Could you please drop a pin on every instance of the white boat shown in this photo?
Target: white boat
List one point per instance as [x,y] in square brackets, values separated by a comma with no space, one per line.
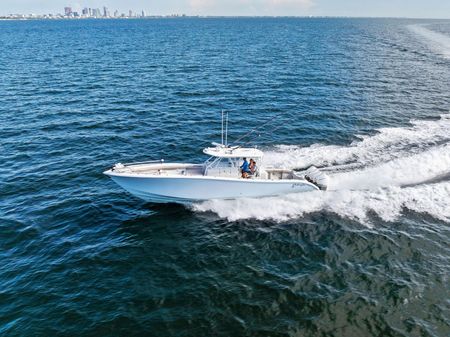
[219,177]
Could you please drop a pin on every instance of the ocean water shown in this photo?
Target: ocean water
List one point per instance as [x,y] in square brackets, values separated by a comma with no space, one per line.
[367,100]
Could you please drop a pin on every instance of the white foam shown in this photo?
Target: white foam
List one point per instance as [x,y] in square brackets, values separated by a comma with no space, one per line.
[408,170]
[387,144]
[393,158]
[386,203]
[440,43]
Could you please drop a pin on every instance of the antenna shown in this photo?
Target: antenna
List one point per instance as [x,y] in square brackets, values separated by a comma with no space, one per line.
[222,127]
[226,131]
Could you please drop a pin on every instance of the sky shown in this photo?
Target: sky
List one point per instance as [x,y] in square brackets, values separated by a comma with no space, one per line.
[367,8]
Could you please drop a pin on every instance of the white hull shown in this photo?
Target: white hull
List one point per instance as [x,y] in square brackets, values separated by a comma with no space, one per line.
[219,177]
[190,189]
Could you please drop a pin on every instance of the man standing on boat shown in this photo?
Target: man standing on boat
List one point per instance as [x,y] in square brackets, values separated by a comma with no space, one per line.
[245,168]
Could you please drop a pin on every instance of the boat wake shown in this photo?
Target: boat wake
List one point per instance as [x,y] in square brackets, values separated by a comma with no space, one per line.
[440,43]
[383,175]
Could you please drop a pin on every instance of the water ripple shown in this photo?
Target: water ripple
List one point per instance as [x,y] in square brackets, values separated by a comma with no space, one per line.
[366,99]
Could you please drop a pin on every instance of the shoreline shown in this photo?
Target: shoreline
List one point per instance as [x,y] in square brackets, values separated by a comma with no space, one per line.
[4,18]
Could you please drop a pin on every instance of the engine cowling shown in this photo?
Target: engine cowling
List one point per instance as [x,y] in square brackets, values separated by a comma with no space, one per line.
[318,178]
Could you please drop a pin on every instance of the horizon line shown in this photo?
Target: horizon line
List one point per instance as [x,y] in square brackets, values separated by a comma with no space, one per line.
[181,16]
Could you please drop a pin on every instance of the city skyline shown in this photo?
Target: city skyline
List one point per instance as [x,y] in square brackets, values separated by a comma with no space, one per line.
[69,12]
[104,12]
[381,8]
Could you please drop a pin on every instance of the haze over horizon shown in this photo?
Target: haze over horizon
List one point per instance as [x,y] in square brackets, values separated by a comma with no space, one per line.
[382,8]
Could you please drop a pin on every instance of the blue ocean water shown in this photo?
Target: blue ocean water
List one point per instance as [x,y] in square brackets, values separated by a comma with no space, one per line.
[367,100]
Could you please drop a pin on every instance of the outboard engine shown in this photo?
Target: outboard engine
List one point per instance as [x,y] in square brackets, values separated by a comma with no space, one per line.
[318,178]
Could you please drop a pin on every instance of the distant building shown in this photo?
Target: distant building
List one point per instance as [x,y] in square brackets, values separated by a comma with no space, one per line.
[130,13]
[106,12]
[116,13]
[67,11]
[143,13]
[96,12]
[85,12]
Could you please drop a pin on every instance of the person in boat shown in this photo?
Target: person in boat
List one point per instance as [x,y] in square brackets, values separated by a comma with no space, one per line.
[250,166]
[245,169]
[253,167]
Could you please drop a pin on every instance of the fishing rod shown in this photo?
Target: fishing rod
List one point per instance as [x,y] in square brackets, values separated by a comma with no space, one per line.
[250,141]
[257,128]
